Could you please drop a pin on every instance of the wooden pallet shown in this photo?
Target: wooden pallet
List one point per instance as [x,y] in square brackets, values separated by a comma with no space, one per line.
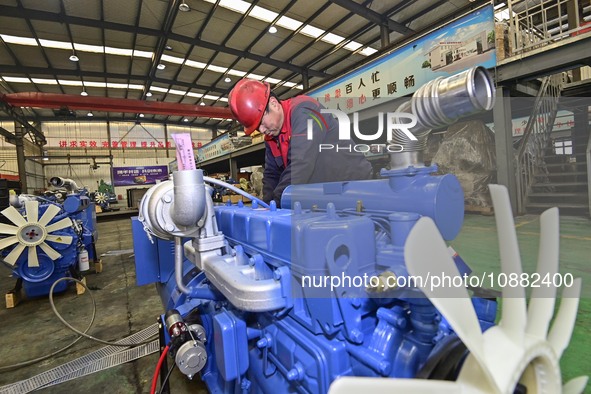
[12,299]
[485,211]
[79,288]
[98,266]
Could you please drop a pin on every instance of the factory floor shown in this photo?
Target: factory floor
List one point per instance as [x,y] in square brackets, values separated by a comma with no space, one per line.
[31,329]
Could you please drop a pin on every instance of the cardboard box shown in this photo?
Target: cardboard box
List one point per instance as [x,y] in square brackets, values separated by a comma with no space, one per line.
[258,138]
[235,198]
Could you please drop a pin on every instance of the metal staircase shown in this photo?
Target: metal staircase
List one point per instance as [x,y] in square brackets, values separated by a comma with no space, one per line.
[551,172]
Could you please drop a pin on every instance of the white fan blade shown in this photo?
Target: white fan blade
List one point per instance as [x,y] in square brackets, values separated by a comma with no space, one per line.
[14,216]
[541,303]
[8,229]
[62,239]
[49,214]
[65,222]
[452,301]
[51,252]
[33,259]
[575,386]
[14,254]
[356,385]
[32,210]
[514,312]
[6,242]
[563,325]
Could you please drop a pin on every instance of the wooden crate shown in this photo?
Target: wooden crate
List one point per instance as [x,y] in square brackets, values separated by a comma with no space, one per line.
[258,138]
[79,288]
[12,299]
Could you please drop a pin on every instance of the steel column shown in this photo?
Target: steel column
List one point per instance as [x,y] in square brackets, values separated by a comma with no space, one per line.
[504,144]
[19,137]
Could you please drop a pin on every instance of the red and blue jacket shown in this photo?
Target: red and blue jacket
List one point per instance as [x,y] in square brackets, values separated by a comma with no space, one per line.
[294,157]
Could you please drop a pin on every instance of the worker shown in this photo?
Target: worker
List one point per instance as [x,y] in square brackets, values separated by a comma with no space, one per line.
[293,155]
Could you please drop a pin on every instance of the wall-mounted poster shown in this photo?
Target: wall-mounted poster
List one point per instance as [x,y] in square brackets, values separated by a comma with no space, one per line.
[138,176]
[462,44]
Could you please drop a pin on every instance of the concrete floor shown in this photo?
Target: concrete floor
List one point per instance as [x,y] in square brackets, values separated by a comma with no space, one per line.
[31,330]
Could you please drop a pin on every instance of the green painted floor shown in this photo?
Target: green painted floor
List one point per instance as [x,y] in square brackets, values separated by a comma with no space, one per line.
[478,246]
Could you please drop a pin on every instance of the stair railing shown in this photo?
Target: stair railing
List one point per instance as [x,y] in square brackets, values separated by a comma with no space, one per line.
[541,23]
[530,155]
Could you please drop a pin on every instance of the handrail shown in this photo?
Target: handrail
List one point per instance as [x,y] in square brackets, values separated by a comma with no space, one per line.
[531,122]
[529,158]
[528,27]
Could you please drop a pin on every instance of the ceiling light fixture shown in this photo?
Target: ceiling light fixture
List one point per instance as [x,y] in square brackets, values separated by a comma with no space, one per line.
[227,80]
[74,58]
[83,93]
[272,29]
[185,120]
[141,115]
[90,114]
[202,102]
[161,66]
[184,7]
[149,94]
[168,48]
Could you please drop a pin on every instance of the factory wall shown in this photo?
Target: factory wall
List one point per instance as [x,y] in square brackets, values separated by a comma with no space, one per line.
[81,151]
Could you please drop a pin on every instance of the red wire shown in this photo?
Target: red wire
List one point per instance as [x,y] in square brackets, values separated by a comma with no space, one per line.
[158,367]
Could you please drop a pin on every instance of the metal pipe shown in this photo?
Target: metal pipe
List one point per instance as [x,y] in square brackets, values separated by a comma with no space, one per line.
[235,190]
[189,197]
[194,292]
[439,103]
[69,184]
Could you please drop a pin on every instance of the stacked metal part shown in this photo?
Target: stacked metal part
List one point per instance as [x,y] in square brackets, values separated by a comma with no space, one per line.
[260,288]
[46,239]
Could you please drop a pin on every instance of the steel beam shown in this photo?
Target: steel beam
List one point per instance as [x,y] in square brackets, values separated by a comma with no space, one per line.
[23,13]
[562,55]
[37,135]
[88,103]
[373,16]
[5,69]
[8,135]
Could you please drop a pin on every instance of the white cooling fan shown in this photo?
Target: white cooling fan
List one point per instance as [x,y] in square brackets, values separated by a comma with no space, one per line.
[32,232]
[520,350]
[100,197]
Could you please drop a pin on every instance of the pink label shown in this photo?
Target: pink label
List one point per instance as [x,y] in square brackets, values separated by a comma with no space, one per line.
[184,151]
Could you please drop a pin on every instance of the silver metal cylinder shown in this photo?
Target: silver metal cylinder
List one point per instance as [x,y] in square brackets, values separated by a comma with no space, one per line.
[68,183]
[439,103]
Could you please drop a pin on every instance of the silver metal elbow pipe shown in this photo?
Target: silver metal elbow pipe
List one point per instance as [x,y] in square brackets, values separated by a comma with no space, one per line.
[189,197]
[68,183]
[439,103]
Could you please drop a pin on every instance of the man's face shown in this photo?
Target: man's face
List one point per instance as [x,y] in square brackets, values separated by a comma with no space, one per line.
[272,120]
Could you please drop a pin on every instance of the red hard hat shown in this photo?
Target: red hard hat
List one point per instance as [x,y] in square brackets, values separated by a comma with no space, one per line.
[248,100]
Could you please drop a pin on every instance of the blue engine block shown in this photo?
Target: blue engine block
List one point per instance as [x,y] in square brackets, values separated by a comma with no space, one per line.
[274,319]
[49,239]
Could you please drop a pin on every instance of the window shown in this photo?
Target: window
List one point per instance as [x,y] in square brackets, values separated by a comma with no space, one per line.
[563,147]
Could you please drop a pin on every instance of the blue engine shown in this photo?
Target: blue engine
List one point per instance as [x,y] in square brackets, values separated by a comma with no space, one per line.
[48,239]
[284,300]
[267,300]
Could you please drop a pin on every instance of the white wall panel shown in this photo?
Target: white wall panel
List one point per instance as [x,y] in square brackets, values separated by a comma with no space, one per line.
[131,145]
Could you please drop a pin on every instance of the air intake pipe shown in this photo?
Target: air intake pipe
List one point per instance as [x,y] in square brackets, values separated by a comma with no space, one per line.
[69,184]
[439,103]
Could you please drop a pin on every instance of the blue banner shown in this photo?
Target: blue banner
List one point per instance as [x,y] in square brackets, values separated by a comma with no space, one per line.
[136,176]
